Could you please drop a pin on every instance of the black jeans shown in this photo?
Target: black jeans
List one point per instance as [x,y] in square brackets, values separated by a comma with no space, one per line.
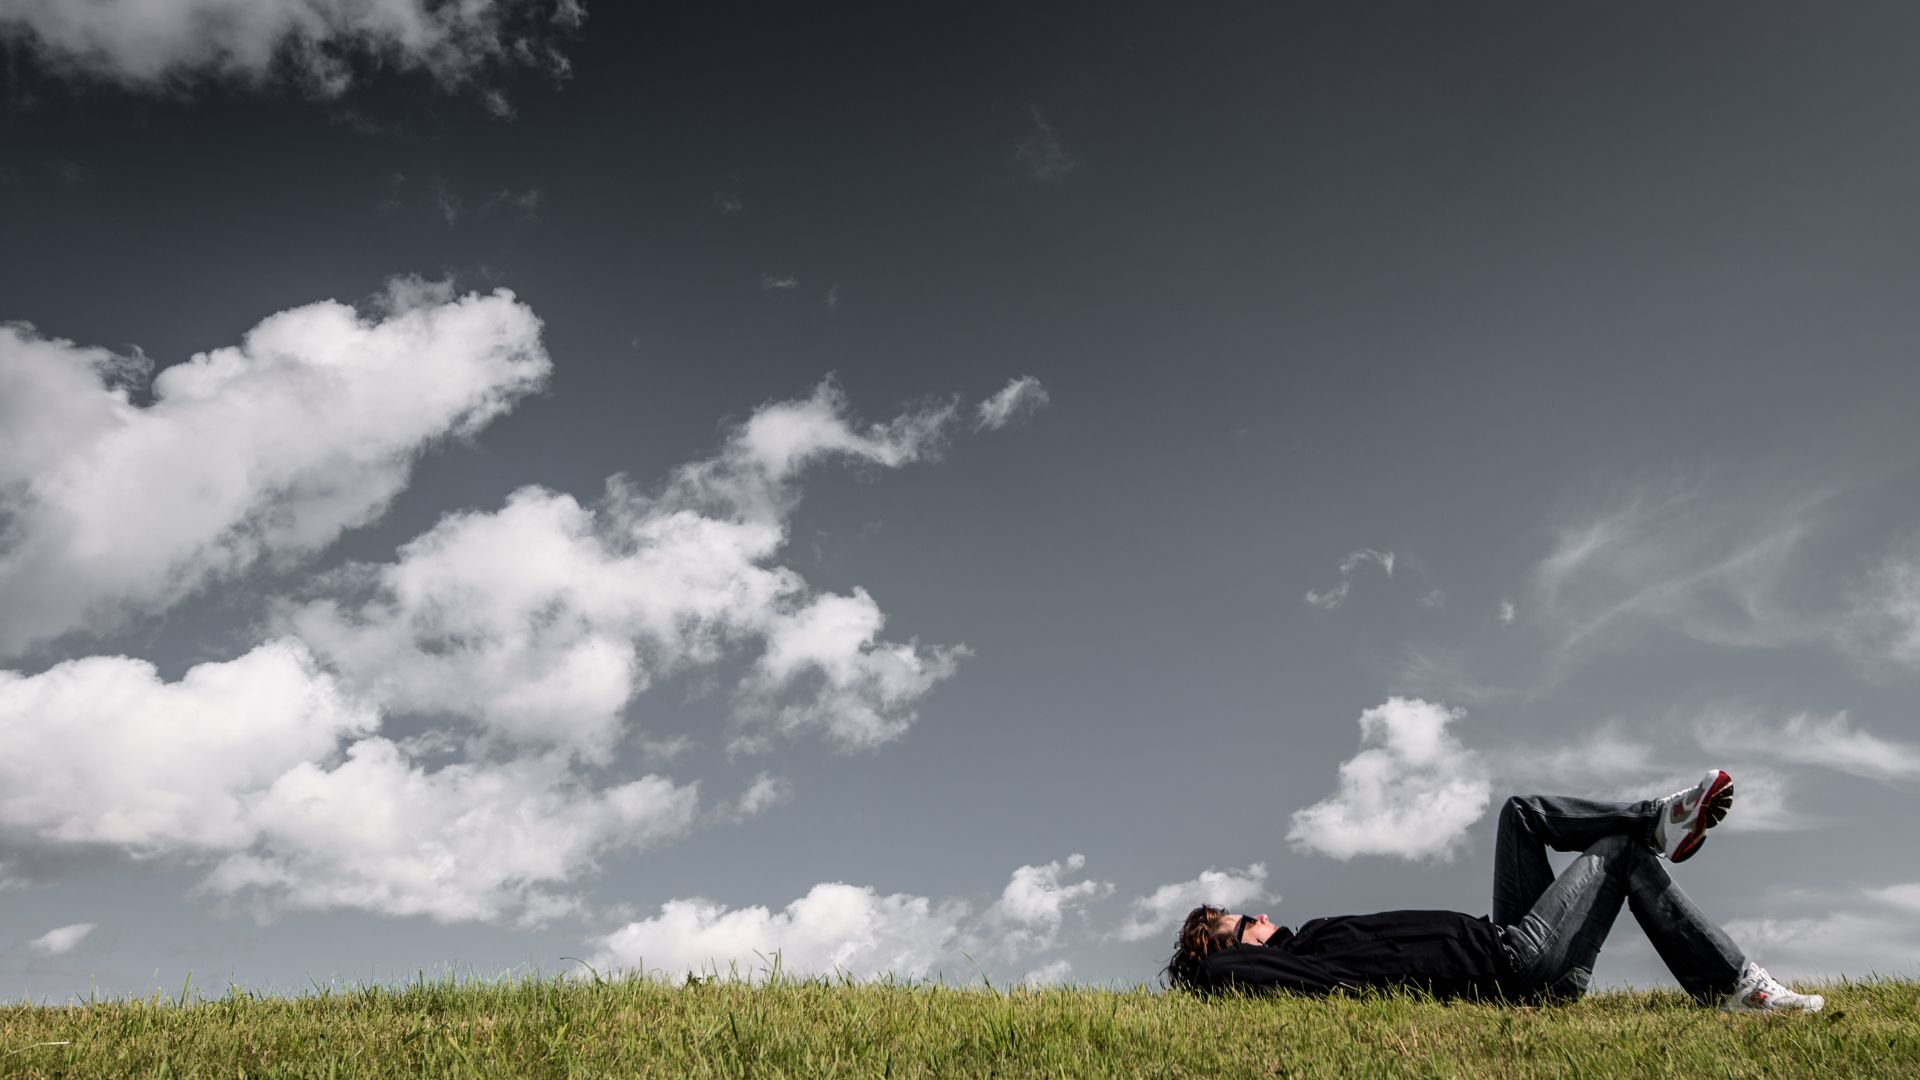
[1554,927]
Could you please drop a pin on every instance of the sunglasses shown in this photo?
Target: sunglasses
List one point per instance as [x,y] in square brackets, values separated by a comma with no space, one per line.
[1240,928]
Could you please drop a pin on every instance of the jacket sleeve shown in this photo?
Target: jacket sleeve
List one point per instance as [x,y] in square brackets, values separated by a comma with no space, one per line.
[1268,971]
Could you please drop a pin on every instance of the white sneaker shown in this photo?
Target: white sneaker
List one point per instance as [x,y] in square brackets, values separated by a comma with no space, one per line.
[1685,816]
[1758,991]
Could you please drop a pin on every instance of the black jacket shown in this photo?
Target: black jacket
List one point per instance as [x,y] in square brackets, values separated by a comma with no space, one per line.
[1444,952]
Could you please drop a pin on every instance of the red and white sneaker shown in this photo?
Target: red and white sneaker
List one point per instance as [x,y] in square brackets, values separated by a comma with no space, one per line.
[1685,816]
[1758,991]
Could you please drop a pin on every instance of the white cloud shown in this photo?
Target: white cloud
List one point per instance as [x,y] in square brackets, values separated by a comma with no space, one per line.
[1332,598]
[268,449]
[1354,560]
[1020,397]
[835,928]
[1763,801]
[1841,939]
[541,621]
[1597,761]
[1884,620]
[1433,598]
[1051,974]
[1905,896]
[838,928]
[1159,912]
[1028,915]
[780,281]
[63,939]
[1040,154]
[1715,568]
[1411,793]
[1506,613]
[470,841]
[100,750]
[160,42]
[264,768]
[1805,739]
[765,792]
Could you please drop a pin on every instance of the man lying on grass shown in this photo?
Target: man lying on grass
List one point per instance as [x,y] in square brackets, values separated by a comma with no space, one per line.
[1544,934]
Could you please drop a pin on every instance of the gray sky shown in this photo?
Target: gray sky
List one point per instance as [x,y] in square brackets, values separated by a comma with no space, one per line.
[1073,463]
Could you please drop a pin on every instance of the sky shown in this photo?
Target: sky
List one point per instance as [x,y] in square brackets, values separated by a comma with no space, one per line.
[938,489]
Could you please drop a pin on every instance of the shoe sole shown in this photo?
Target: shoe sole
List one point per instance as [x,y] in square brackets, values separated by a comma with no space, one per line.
[1713,810]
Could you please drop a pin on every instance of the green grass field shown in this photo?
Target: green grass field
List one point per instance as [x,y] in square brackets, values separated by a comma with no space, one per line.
[550,1027]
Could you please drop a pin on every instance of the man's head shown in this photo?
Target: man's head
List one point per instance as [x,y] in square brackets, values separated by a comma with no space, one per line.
[1208,930]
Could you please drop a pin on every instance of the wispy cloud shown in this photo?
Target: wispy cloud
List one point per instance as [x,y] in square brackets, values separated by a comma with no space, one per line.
[496,102]
[390,202]
[1021,397]
[772,281]
[765,792]
[1718,568]
[527,202]
[1827,934]
[1505,615]
[1883,617]
[1329,599]
[1040,154]
[62,939]
[1411,792]
[1830,741]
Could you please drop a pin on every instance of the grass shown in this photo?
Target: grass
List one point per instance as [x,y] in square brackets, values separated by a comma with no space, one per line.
[546,1027]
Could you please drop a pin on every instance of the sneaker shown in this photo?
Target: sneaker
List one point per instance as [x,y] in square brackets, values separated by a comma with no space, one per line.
[1685,816]
[1758,991]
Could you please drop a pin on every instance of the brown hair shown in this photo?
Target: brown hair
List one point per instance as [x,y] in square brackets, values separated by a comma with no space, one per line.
[1200,937]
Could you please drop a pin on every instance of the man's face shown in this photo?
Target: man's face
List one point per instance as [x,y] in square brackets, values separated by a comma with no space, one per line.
[1256,932]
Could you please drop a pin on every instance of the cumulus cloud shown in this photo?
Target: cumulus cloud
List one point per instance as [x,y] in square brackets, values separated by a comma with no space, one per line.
[1159,912]
[1028,915]
[161,42]
[835,928]
[855,930]
[62,939]
[1020,397]
[265,770]
[267,449]
[539,622]
[1411,792]
[164,766]
[470,841]
[1050,974]
[1333,597]
[1830,741]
